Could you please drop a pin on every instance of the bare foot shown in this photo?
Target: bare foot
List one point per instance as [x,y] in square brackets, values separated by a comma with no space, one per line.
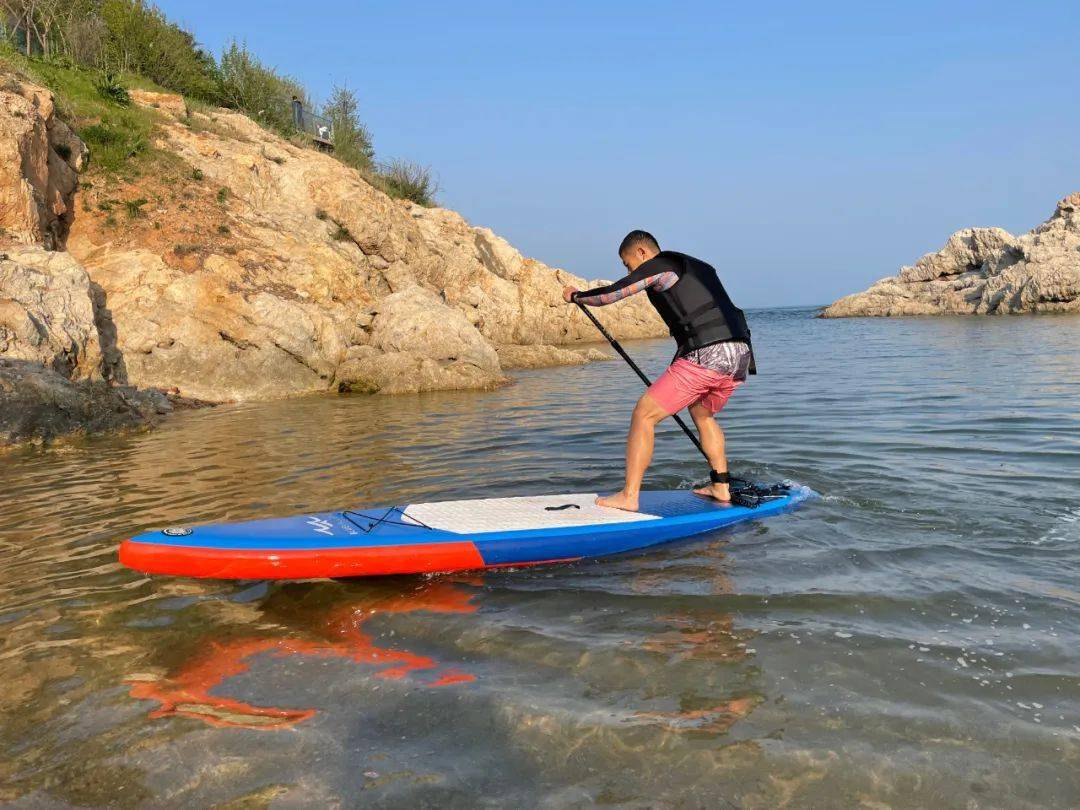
[620,500]
[717,492]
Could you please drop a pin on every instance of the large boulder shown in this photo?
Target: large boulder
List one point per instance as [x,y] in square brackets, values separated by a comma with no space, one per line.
[418,343]
[204,335]
[60,374]
[984,271]
[47,312]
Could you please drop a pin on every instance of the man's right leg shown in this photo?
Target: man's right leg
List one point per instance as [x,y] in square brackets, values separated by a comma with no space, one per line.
[648,413]
[712,441]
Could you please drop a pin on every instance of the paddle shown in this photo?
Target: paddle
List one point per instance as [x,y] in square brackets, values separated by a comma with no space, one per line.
[622,353]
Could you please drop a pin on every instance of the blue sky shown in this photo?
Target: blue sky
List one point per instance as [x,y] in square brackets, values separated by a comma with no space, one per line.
[804,149]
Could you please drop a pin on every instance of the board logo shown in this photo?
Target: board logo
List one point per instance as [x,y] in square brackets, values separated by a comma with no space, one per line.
[320,526]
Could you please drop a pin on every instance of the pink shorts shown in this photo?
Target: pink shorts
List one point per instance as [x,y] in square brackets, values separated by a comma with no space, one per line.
[685,383]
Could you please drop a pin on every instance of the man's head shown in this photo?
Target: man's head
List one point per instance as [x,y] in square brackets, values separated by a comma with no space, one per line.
[637,247]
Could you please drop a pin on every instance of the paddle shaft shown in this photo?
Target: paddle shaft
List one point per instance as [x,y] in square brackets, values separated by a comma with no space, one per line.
[630,361]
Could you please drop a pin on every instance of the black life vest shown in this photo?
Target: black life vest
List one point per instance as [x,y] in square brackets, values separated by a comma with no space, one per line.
[696,309]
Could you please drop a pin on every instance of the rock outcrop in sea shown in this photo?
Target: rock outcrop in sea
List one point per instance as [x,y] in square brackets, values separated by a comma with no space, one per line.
[245,266]
[58,371]
[984,271]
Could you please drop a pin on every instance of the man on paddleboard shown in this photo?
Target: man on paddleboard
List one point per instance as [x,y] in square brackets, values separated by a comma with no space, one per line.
[713,358]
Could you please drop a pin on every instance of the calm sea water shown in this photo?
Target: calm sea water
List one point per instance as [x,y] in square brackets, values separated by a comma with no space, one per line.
[912,638]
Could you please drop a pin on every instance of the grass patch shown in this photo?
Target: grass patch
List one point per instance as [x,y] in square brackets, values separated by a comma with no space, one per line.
[115,132]
[134,207]
[223,195]
[341,233]
[196,174]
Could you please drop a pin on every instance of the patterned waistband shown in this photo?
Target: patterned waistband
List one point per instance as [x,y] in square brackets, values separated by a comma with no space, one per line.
[731,358]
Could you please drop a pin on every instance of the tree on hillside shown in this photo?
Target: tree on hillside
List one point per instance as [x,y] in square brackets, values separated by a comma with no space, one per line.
[244,83]
[139,39]
[38,23]
[352,140]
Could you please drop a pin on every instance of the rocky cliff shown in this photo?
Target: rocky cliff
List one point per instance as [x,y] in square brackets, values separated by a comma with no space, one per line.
[256,267]
[238,265]
[983,271]
[39,161]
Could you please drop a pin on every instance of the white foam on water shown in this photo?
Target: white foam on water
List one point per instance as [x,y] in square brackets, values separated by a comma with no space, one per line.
[1066,527]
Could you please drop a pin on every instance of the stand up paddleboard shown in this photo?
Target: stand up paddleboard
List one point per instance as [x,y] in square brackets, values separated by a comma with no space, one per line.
[445,536]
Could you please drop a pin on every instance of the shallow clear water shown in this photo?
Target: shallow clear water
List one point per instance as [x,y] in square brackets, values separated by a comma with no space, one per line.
[912,637]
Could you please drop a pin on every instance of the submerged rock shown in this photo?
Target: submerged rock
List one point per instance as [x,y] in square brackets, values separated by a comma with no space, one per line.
[59,373]
[39,405]
[984,271]
[542,356]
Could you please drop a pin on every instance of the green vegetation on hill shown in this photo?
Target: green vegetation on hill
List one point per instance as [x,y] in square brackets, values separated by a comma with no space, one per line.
[117,132]
[89,52]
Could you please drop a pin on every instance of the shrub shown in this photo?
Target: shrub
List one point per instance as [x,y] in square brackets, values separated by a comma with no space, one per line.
[341,233]
[85,35]
[410,181]
[196,174]
[110,88]
[222,195]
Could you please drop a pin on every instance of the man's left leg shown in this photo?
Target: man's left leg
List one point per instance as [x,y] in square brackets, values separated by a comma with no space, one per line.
[648,413]
[712,442]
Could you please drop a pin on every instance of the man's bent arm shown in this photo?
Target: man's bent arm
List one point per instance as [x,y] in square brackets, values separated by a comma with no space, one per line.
[632,284]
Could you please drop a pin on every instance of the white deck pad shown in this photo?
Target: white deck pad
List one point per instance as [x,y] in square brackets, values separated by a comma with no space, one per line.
[518,514]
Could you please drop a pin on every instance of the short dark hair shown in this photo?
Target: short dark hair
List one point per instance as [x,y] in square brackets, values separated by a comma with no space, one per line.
[638,237]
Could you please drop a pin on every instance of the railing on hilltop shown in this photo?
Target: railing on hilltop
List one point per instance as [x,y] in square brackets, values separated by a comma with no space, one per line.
[319,127]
